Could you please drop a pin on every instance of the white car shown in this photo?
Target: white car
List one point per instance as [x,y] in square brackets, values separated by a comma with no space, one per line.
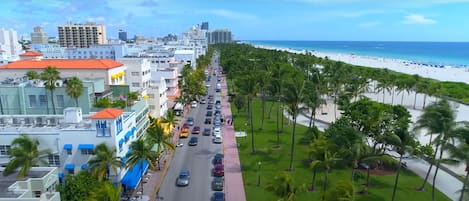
[217,140]
[217,131]
[194,104]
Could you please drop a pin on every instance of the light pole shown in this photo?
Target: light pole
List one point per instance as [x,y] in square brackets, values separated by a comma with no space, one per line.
[259,173]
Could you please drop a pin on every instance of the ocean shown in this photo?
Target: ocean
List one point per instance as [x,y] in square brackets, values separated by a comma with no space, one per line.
[454,54]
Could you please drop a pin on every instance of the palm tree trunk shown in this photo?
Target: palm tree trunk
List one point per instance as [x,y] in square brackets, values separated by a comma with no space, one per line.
[415,99]
[270,110]
[424,100]
[52,101]
[282,121]
[392,98]
[324,186]
[311,119]
[402,99]
[384,94]
[253,151]
[464,185]
[368,176]
[292,149]
[313,181]
[335,107]
[141,179]
[436,173]
[263,110]
[422,188]
[278,126]
[397,179]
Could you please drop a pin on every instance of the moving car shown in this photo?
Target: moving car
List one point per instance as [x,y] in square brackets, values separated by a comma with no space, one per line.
[194,104]
[209,114]
[183,178]
[193,141]
[209,106]
[217,131]
[218,159]
[208,121]
[217,184]
[217,140]
[218,171]
[190,121]
[207,131]
[218,196]
[203,101]
[196,130]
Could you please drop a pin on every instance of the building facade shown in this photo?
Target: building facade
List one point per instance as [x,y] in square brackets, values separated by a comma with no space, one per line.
[170,75]
[81,35]
[157,98]
[220,36]
[10,48]
[204,26]
[38,36]
[138,74]
[122,35]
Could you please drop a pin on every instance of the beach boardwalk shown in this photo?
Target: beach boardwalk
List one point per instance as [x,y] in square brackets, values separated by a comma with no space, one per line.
[234,187]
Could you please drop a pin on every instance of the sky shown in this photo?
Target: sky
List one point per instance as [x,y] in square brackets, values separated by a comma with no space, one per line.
[330,20]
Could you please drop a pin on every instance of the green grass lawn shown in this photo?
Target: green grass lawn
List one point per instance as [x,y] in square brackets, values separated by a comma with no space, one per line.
[274,161]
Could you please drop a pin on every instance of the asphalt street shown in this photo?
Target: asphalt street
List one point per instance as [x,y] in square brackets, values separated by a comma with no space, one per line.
[197,159]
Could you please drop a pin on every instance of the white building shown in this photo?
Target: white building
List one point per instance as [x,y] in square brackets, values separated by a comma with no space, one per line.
[185,56]
[72,137]
[170,75]
[157,98]
[54,51]
[9,45]
[40,184]
[50,51]
[38,36]
[138,74]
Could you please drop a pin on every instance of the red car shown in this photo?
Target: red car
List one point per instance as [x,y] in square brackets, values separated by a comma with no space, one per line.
[218,170]
[196,130]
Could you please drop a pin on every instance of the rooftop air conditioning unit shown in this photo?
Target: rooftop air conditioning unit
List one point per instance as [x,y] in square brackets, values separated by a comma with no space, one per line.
[59,83]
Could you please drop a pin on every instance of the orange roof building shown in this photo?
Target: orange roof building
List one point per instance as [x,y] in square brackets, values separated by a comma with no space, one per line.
[108,113]
[111,71]
[31,54]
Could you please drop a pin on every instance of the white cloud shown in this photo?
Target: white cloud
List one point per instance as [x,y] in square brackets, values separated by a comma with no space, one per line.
[358,13]
[232,14]
[417,19]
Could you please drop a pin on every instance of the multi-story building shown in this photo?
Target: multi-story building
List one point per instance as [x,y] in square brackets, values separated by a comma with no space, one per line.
[204,26]
[10,48]
[54,51]
[122,35]
[38,36]
[138,74]
[81,35]
[50,51]
[111,71]
[157,98]
[40,184]
[220,36]
[170,75]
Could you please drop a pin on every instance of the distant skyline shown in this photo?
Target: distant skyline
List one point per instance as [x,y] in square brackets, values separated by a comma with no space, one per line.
[346,20]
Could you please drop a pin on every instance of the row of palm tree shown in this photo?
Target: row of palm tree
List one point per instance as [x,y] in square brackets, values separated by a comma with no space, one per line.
[320,78]
[50,75]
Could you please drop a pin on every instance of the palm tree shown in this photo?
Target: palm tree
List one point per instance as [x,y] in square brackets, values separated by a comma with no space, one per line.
[32,75]
[415,86]
[157,137]
[74,88]
[248,86]
[106,192]
[25,154]
[50,75]
[171,119]
[438,118]
[293,97]
[402,143]
[460,153]
[312,101]
[284,187]
[104,161]
[327,160]
[141,151]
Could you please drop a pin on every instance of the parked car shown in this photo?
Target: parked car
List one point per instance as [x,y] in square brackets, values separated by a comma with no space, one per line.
[203,101]
[218,171]
[207,131]
[217,131]
[190,121]
[218,196]
[194,104]
[218,159]
[208,121]
[217,140]
[193,141]
[217,184]
[183,178]
[209,113]
[209,106]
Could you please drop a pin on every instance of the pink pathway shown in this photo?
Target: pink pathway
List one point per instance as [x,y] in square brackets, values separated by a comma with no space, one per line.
[234,187]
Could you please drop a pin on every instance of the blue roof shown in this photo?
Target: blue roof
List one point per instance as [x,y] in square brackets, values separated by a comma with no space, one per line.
[134,175]
[85,146]
[84,166]
[68,146]
[70,166]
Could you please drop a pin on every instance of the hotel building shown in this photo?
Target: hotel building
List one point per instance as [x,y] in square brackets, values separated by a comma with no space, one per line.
[81,35]
[38,36]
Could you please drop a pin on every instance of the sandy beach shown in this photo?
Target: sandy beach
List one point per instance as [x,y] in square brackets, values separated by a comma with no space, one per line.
[445,73]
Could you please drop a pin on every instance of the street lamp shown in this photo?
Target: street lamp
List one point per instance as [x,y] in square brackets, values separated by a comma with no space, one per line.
[258,173]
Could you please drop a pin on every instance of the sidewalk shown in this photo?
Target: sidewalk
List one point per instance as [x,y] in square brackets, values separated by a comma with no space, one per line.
[445,182]
[234,187]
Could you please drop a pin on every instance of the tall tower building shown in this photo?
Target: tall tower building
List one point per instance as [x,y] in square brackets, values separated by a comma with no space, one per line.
[220,36]
[10,48]
[82,35]
[122,35]
[204,26]
[38,36]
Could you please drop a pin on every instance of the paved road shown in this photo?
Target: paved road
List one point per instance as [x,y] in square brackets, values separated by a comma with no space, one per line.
[197,159]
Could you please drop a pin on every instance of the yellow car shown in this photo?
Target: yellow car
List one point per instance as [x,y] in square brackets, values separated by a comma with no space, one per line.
[183,134]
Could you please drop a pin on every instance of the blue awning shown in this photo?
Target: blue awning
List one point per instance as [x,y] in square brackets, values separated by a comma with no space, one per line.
[84,166]
[70,166]
[61,175]
[133,129]
[85,146]
[128,135]
[121,142]
[134,175]
[68,146]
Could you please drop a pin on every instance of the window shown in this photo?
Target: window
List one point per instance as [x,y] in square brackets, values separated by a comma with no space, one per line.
[4,149]
[152,107]
[32,101]
[37,194]
[151,95]
[135,73]
[42,100]
[69,152]
[135,84]
[54,160]
[60,100]
[87,152]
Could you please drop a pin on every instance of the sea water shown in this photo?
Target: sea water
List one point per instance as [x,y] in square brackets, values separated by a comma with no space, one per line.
[454,54]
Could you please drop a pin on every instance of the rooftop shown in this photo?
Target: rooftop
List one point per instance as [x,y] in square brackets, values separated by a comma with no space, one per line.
[31,54]
[63,64]
[108,113]
[7,181]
